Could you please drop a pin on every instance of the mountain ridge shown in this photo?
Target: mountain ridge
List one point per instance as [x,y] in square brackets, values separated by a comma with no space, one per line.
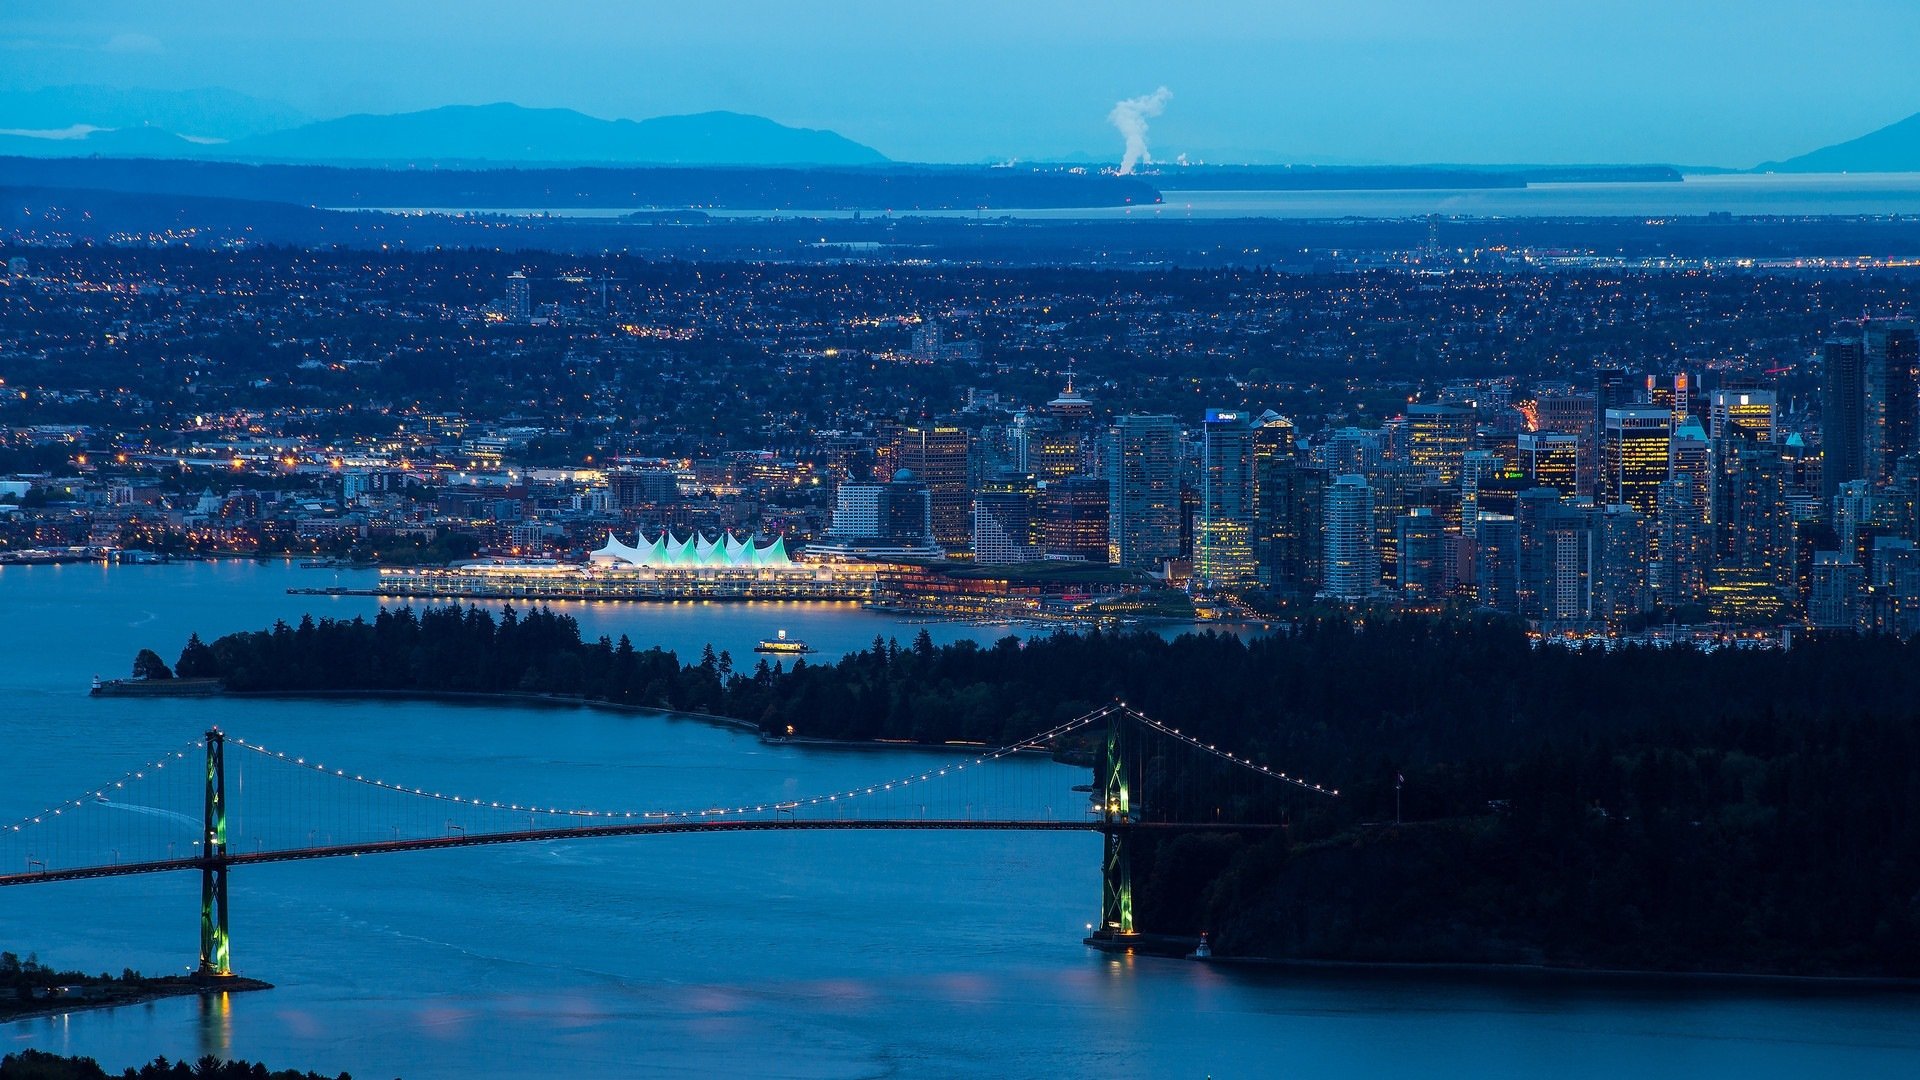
[1893,148]
[500,133]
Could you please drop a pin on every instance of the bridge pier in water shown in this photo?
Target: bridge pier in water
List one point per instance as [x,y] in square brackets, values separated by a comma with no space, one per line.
[215,961]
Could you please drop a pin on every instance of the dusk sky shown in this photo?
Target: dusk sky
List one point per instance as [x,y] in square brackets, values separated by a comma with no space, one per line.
[1713,82]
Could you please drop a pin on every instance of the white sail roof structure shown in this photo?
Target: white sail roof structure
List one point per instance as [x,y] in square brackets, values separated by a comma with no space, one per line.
[696,552]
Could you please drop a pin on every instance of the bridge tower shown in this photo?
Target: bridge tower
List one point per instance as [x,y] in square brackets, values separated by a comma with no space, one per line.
[1119,808]
[214,961]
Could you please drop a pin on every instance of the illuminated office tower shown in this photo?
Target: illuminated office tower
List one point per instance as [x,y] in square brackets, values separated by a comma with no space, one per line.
[1843,404]
[1223,534]
[1076,514]
[1395,489]
[936,454]
[1573,415]
[1438,438]
[1422,554]
[1633,456]
[1670,392]
[1004,520]
[1755,576]
[1143,491]
[1748,414]
[1891,396]
[1351,564]
[1550,459]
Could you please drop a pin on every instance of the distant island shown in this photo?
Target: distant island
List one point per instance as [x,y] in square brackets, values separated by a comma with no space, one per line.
[1738,812]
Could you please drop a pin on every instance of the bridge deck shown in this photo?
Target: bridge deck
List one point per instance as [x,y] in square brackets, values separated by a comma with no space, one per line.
[589,832]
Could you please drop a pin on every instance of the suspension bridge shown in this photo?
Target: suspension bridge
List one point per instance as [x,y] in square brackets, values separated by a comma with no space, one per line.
[222,802]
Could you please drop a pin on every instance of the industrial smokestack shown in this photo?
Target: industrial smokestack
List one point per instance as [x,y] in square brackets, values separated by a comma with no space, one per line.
[1130,118]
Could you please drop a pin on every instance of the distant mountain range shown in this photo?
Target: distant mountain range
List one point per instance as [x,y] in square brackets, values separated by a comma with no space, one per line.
[500,133]
[1894,148]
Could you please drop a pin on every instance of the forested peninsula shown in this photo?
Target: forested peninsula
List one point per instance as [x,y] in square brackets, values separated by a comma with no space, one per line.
[1656,809]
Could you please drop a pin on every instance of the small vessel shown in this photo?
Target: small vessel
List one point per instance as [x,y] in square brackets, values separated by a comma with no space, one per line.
[1203,951]
[781,643]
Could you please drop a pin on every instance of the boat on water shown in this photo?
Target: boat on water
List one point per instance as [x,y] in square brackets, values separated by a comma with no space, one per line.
[781,643]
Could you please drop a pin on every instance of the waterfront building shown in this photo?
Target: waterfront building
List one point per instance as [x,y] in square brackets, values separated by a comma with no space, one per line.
[1635,449]
[1143,491]
[1005,525]
[1351,563]
[1076,519]
[937,455]
[891,520]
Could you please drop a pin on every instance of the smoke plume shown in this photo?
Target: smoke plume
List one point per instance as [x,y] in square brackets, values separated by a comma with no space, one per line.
[1130,118]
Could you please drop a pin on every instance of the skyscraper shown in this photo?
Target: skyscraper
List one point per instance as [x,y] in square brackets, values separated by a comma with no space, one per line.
[936,454]
[1223,535]
[1439,436]
[1633,456]
[1672,393]
[1075,514]
[1004,529]
[1143,491]
[1891,395]
[519,297]
[1422,554]
[1352,562]
[1550,459]
[1843,406]
[1747,414]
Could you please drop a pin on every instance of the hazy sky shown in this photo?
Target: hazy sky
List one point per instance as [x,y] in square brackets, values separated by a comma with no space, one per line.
[1727,82]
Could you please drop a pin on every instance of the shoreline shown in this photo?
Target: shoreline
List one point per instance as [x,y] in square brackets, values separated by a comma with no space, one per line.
[1467,970]
[514,697]
[187,988]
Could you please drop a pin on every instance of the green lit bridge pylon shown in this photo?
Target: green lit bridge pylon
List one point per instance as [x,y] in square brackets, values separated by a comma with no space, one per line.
[175,814]
[214,958]
[1117,815]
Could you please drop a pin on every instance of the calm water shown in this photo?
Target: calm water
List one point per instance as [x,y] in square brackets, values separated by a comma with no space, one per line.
[761,954]
[1790,194]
